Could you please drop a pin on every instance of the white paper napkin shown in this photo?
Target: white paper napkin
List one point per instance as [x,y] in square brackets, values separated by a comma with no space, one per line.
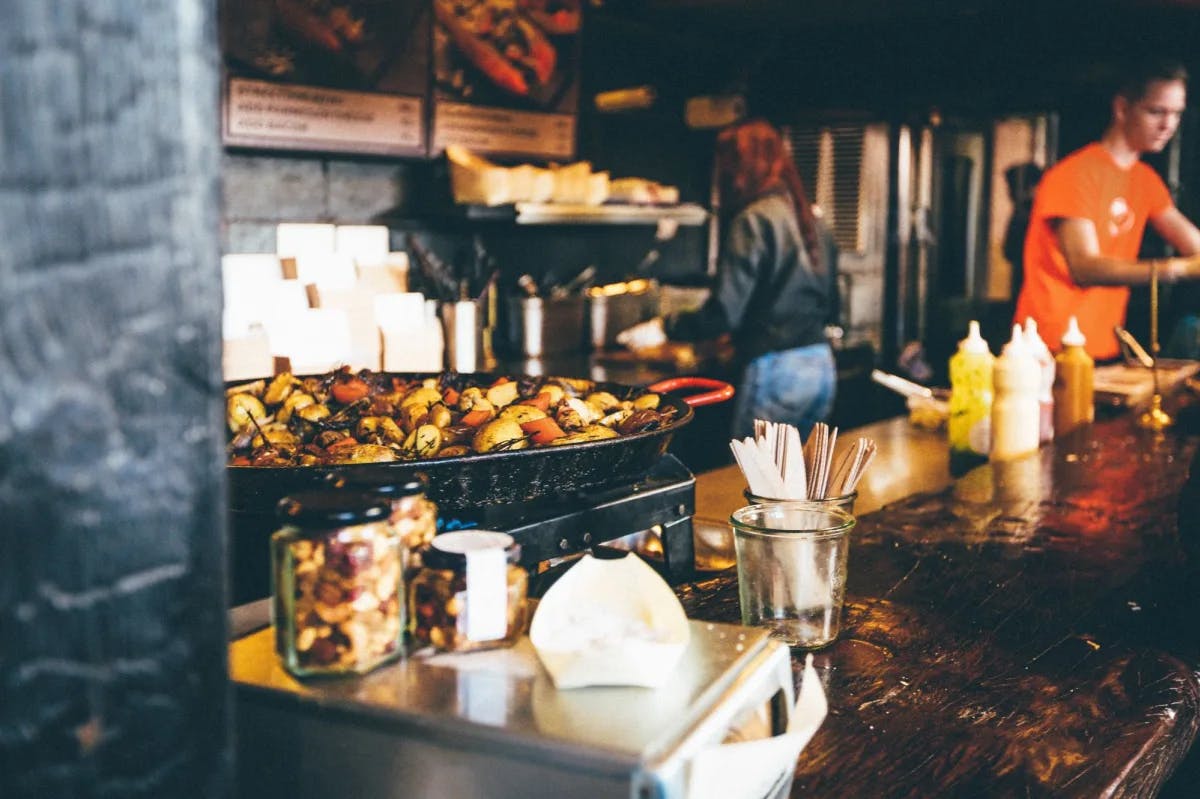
[609,622]
[748,769]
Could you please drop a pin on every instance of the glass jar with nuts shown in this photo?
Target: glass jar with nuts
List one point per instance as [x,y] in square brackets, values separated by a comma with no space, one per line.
[413,516]
[338,584]
[470,592]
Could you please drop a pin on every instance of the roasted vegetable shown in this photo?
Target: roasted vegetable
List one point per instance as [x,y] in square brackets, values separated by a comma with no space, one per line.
[366,417]
[593,432]
[241,408]
[424,442]
[522,413]
[647,401]
[499,434]
[542,431]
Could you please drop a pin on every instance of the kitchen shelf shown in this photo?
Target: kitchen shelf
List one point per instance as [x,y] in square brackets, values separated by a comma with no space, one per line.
[688,214]
[465,216]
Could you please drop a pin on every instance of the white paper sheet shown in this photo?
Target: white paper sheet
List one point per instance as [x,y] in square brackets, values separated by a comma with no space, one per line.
[748,769]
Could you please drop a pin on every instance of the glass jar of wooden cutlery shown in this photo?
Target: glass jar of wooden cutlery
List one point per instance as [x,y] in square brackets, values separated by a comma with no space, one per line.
[791,566]
[778,468]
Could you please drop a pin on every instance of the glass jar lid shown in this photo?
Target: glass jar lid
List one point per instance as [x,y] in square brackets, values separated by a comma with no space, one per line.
[449,550]
[381,482]
[326,509]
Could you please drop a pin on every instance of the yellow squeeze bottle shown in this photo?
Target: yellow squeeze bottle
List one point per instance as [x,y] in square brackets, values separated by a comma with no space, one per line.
[971,395]
[1073,389]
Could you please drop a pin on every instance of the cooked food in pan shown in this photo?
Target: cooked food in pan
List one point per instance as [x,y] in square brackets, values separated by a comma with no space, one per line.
[371,417]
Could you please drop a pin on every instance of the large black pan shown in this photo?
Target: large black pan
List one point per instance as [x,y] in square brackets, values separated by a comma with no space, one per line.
[465,482]
[503,477]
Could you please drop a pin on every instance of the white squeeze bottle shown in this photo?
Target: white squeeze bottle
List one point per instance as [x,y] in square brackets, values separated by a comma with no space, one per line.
[1015,407]
[1045,395]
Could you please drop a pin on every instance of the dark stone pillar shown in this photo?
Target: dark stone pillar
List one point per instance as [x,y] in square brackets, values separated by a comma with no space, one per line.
[112,578]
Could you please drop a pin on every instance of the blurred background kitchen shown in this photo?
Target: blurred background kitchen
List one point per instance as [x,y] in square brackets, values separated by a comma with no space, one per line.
[907,120]
[918,128]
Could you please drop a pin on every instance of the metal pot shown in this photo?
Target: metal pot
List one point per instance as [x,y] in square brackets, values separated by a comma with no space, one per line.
[614,308]
[539,327]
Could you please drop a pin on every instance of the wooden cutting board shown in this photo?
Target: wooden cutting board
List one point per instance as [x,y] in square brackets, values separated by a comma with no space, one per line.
[1122,384]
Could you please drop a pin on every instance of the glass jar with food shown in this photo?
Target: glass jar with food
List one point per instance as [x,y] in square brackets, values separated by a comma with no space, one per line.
[413,516]
[337,582]
[470,592]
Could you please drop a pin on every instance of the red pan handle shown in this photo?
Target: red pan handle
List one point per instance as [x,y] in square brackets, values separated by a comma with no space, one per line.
[721,390]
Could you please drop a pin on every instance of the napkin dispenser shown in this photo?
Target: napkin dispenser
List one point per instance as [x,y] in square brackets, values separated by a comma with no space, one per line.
[492,724]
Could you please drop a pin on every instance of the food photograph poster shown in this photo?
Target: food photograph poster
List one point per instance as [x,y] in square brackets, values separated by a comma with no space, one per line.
[326,75]
[506,76]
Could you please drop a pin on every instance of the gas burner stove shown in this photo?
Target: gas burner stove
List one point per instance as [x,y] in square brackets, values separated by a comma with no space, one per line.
[548,529]
[556,527]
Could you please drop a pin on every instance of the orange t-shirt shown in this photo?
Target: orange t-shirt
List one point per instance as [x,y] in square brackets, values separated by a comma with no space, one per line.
[1087,184]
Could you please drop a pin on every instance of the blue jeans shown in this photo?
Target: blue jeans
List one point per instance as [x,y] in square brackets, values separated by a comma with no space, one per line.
[795,386]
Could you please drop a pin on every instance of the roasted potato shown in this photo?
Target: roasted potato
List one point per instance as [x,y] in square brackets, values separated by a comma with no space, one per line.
[379,429]
[295,401]
[424,442]
[369,453]
[502,394]
[556,393]
[276,435]
[522,413]
[593,432]
[424,396]
[439,415]
[279,389]
[647,402]
[602,400]
[499,434]
[240,408]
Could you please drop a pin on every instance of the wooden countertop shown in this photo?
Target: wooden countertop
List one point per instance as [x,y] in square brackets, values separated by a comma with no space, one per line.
[1024,630]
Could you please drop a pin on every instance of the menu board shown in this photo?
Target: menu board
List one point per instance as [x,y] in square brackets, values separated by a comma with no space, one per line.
[506,76]
[326,75]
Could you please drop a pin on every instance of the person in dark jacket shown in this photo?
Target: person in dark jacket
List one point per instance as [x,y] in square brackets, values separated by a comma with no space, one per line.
[1022,180]
[775,288]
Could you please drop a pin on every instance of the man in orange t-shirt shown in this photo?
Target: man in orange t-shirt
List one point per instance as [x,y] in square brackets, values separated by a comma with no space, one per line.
[1091,209]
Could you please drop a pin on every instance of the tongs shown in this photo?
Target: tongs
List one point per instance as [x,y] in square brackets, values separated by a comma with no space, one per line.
[1131,350]
[905,388]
